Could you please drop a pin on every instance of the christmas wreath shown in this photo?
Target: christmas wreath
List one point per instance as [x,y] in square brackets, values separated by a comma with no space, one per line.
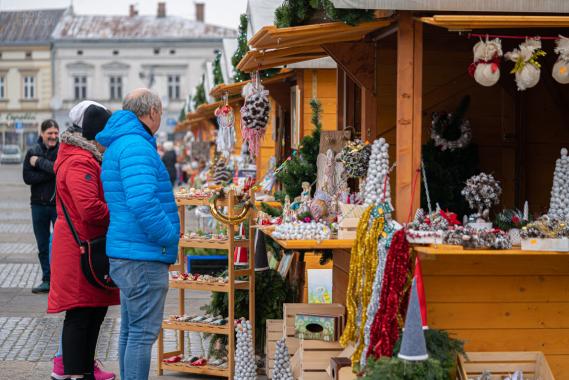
[440,123]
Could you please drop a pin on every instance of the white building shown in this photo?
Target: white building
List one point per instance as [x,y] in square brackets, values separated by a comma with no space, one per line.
[102,58]
[25,73]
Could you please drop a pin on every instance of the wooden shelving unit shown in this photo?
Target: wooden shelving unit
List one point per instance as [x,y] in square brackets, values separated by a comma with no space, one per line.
[229,287]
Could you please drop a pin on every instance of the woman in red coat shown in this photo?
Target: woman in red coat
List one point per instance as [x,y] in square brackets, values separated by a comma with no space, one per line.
[78,169]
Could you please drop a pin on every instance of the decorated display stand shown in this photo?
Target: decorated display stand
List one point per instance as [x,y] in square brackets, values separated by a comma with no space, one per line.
[236,279]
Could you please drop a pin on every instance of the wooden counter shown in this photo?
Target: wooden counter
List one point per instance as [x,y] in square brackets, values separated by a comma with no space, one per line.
[501,300]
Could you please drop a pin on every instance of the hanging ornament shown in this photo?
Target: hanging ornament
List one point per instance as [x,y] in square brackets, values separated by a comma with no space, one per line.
[561,68]
[254,113]
[486,66]
[226,121]
[527,68]
[377,187]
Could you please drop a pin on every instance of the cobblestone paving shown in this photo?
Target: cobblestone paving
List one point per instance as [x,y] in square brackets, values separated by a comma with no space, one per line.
[16,228]
[15,215]
[15,205]
[22,248]
[19,275]
[36,339]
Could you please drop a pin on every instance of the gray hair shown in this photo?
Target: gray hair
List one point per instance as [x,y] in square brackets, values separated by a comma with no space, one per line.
[141,102]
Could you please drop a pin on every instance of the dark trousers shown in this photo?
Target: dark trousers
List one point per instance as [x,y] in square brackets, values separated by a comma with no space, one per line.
[42,218]
[80,333]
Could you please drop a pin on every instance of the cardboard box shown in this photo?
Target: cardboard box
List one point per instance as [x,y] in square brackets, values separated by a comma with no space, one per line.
[535,244]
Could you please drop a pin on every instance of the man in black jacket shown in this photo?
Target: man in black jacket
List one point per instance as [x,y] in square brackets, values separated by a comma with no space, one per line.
[38,173]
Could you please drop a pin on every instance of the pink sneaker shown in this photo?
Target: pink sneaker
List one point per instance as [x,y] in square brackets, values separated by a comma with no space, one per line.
[57,372]
[100,373]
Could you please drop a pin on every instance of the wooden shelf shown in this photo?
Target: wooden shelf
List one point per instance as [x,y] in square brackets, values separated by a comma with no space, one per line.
[199,327]
[212,244]
[208,286]
[183,367]
[449,250]
[196,202]
[316,244]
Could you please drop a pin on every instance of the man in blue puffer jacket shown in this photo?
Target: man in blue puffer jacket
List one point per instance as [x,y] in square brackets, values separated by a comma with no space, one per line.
[144,229]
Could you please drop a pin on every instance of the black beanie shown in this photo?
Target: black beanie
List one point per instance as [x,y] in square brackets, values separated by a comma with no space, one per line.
[94,120]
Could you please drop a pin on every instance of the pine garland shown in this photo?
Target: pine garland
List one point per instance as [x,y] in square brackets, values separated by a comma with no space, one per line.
[302,167]
[242,49]
[270,210]
[199,97]
[217,73]
[394,368]
[182,115]
[299,12]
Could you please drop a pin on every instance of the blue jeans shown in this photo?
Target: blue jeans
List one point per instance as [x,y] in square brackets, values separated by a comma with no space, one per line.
[143,287]
[43,217]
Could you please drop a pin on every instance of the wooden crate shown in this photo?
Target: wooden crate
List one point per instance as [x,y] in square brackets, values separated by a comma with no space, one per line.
[315,358]
[275,332]
[500,364]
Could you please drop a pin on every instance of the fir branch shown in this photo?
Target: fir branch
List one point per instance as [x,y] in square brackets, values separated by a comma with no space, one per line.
[199,96]
[270,210]
[217,73]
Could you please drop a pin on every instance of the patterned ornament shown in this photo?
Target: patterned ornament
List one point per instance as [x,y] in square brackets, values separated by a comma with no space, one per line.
[282,369]
[254,114]
[559,202]
[377,188]
[245,367]
[355,158]
[478,238]
[225,141]
[527,68]
[486,66]
[561,68]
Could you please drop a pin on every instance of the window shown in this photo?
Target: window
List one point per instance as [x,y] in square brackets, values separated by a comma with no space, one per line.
[172,51]
[28,54]
[80,87]
[79,52]
[115,83]
[115,52]
[2,87]
[156,51]
[29,87]
[174,86]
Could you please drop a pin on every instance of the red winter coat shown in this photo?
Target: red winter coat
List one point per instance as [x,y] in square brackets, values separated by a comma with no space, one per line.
[79,186]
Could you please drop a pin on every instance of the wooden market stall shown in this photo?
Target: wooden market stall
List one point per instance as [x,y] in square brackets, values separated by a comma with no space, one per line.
[392,75]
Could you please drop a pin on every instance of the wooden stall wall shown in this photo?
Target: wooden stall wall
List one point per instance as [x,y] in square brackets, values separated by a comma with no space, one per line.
[502,303]
[267,149]
[238,138]
[320,84]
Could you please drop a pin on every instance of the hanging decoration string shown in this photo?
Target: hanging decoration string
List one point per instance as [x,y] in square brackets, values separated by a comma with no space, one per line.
[508,37]
[413,189]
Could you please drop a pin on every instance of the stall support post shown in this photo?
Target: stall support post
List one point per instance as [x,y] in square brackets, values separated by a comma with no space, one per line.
[409,109]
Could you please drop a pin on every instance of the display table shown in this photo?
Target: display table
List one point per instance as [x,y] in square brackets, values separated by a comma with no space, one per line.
[501,300]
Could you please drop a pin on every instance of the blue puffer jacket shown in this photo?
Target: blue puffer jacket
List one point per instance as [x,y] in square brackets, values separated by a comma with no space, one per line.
[144,217]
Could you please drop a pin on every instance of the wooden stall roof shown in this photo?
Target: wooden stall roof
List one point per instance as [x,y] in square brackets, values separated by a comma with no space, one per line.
[202,113]
[271,37]
[471,22]
[234,89]
[281,46]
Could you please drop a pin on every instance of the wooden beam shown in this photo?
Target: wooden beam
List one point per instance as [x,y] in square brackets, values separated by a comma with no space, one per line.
[356,59]
[369,115]
[409,106]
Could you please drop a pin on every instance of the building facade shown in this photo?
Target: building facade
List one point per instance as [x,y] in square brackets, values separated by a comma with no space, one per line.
[102,58]
[25,73]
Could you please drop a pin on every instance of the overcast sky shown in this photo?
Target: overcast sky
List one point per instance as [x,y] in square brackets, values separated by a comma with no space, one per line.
[217,12]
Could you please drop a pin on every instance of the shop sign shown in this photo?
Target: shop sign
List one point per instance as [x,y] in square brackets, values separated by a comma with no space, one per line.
[12,117]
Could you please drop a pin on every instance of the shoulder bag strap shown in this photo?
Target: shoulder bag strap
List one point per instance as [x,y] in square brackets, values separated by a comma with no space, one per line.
[68,219]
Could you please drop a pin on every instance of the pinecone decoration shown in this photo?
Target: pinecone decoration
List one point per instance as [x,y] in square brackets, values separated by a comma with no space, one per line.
[559,203]
[481,192]
[221,174]
[254,115]
[282,369]
[245,367]
[355,156]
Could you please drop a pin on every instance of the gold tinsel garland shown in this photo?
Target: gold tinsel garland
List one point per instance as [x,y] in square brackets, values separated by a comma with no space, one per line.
[363,263]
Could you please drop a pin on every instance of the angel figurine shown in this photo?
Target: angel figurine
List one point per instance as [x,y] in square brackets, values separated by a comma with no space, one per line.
[288,213]
[305,198]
